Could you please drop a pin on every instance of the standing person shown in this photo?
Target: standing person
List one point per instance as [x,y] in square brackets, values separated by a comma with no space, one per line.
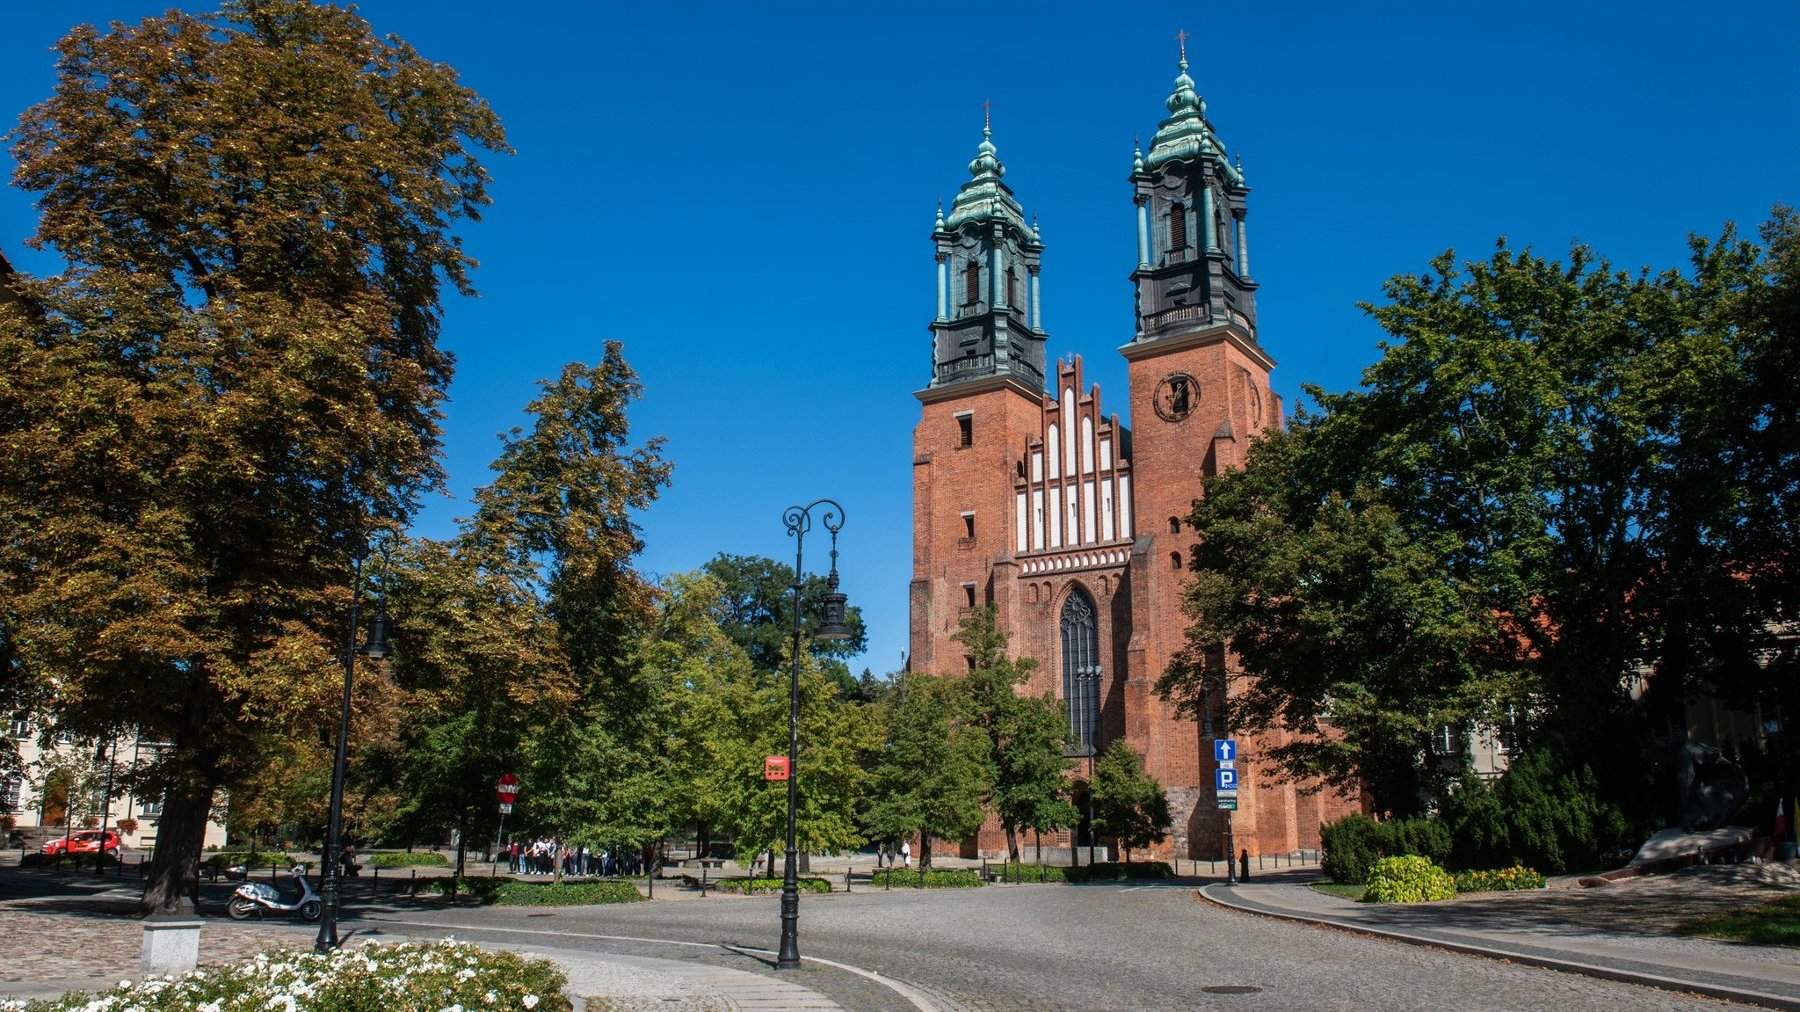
[906,853]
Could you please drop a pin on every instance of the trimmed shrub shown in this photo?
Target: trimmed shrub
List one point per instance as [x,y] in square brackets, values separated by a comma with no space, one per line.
[1115,871]
[404,859]
[1408,879]
[1498,880]
[68,861]
[408,975]
[1355,842]
[506,892]
[1031,873]
[261,859]
[936,878]
[752,886]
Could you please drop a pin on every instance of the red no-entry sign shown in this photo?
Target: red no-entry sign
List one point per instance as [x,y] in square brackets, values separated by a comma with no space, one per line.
[507,789]
[775,767]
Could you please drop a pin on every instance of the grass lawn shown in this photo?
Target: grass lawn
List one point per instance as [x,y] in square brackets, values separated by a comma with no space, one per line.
[1340,890]
[1774,923]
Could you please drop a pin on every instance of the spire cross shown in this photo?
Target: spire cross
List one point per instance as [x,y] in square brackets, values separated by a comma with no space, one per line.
[987,114]
[1181,38]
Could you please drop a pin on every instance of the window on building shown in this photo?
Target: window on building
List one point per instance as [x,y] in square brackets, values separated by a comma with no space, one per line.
[1012,287]
[150,808]
[12,791]
[968,595]
[19,726]
[1174,525]
[965,430]
[1177,226]
[1223,242]
[971,284]
[1174,560]
[968,525]
[1081,668]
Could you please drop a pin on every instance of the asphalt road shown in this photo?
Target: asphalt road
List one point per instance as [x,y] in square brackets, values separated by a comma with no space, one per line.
[1052,947]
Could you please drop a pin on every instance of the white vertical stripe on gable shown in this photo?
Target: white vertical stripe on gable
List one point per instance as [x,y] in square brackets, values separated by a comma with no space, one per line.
[1087,505]
[1056,538]
[1020,526]
[1054,447]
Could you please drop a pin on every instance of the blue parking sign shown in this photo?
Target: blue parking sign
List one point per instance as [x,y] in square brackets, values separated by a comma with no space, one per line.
[1225,750]
[1227,780]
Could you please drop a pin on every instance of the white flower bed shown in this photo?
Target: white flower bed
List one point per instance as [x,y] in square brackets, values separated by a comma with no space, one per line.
[447,976]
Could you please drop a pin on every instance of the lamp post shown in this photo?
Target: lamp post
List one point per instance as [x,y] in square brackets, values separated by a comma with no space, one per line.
[798,520]
[375,649]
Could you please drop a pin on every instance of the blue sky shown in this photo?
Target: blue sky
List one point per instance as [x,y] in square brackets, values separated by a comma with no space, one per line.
[743,195]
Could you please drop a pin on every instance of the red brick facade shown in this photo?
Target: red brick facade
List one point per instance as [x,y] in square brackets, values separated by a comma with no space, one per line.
[978,489]
[1066,522]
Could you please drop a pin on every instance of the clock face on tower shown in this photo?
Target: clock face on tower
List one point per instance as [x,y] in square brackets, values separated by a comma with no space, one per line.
[1176,396]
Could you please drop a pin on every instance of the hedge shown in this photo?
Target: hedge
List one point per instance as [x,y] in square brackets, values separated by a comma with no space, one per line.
[506,892]
[1355,842]
[260,859]
[946,878]
[408,859]
[1115,871]
[752,886]
[1031,873]
[1498,880]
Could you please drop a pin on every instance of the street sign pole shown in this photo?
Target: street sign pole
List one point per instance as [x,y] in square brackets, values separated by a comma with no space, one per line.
[506,791]
[1225,784]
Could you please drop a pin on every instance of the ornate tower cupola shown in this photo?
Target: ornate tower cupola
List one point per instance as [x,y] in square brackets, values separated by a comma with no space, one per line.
[1193,270]
[987,322]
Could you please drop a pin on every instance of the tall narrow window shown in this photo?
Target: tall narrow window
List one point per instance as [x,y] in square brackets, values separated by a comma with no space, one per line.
[971,284]
[1177,226]
[1081,669]
[968,525]
[965,430]
[968,595]
[1012,287]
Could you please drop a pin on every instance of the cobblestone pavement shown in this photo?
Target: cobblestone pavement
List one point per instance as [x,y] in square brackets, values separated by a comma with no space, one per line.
[44,945]
[1053,948]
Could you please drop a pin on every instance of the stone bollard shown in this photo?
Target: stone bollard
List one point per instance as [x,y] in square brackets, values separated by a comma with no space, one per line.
[171,944]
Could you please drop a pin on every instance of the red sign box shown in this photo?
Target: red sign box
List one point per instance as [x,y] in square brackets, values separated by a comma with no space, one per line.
[775,767]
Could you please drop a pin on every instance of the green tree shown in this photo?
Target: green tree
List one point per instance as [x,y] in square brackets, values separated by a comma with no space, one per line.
[1556,474]
[1029,734]
[935,769]
[756,609]
[1128,803]
[559,516]
[235,379]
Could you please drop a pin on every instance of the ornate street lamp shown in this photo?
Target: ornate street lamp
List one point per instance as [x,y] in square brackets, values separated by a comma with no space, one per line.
[375,649]
[798,520]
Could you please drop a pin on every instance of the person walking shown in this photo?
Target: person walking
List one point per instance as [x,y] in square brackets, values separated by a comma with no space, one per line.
[905,854]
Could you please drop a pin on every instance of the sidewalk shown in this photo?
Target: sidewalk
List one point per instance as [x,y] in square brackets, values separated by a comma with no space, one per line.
[1753,974]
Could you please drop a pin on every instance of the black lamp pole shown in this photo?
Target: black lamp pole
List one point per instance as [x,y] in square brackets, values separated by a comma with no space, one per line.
[375,649]
[798,520]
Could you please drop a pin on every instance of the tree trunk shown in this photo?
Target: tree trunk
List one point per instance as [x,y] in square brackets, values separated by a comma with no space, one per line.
[924,851]
[772,862]
[174,884]
[1012,845]
[1037,839]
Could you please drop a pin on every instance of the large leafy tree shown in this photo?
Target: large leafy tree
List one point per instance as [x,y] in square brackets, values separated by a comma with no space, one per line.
[1028,734]
[235,378]
[757,612]
[1556,476]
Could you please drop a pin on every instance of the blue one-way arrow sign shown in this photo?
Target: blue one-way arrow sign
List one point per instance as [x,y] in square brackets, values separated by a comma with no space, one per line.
[1225,750]
[1227,780]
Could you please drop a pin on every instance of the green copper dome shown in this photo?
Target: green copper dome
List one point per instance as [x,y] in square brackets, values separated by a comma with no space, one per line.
[984,198]
[1185,135]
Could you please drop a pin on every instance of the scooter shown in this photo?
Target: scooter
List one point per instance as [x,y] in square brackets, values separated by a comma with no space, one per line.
[256,897]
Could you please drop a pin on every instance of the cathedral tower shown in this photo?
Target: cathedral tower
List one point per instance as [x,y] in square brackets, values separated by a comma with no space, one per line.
[983,402]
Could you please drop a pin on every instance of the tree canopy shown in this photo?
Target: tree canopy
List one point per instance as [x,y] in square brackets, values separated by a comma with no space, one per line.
[236,377]
[1560,505]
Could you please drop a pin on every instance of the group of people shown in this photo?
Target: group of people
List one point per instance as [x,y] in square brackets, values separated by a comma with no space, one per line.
[542,856]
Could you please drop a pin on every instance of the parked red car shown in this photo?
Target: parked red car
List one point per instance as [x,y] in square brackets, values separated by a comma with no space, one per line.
[88,841]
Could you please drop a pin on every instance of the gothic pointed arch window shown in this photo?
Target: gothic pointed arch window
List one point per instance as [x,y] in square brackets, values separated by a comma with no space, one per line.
[1081,668]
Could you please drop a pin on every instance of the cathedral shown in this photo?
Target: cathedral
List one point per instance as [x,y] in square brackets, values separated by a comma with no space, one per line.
[1030,498]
